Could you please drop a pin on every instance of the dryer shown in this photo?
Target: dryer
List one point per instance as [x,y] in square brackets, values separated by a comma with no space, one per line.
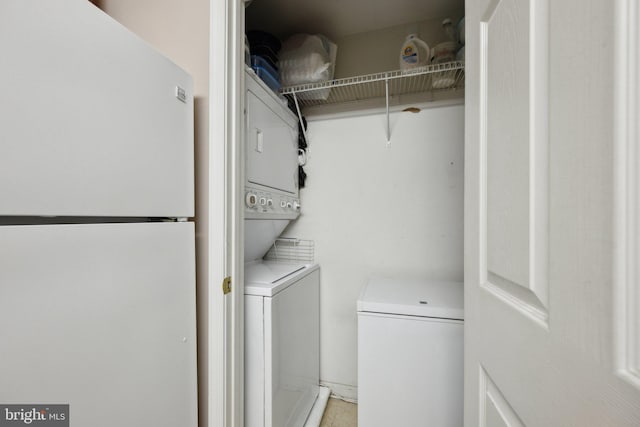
[271,185]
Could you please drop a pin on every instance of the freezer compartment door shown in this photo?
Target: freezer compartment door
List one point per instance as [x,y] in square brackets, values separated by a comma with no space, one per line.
[94,121]
[101,317]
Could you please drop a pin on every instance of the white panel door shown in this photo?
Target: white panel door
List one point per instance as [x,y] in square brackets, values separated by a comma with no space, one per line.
[90,124]
[551,323]
[100,317]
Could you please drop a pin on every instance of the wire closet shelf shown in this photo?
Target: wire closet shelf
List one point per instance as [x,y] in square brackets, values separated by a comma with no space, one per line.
[430,78]
[434,78]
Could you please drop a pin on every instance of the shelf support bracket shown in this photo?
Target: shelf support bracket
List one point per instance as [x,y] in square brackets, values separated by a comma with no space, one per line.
[386,82]
[304,128]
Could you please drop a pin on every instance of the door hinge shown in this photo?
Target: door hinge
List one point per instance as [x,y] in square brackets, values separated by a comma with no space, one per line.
[226,285]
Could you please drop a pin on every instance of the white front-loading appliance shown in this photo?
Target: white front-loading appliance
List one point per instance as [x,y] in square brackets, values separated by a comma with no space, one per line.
[272,139]
[271,185]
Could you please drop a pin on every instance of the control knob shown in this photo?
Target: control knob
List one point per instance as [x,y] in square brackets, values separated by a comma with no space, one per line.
[251,199]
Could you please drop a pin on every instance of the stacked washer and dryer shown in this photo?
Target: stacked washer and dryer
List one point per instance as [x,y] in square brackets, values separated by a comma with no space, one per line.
[282,313]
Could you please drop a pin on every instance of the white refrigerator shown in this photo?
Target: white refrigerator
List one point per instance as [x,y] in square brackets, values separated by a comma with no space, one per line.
[97,263]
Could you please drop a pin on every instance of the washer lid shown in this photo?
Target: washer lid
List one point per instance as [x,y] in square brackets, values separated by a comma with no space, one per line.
[266,278]
[426,298]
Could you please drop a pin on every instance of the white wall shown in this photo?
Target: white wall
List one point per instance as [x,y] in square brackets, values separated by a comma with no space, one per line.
[373,208]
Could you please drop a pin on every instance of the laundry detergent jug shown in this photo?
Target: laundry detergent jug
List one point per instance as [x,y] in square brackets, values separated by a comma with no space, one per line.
[414,53]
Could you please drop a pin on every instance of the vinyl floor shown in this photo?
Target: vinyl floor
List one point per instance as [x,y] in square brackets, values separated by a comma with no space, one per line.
[339,413]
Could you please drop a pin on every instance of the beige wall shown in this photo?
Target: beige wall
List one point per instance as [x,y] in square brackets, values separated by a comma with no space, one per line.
[379,51]
[180,30]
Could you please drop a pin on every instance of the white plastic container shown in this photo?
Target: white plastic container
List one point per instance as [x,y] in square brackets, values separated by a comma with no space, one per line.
[306,58]
[449,30]
[414,53]
[444,52]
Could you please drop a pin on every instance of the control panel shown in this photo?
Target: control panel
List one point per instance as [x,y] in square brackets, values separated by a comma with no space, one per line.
[261,203]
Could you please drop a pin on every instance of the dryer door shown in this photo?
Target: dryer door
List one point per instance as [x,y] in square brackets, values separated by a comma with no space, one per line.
[272,155]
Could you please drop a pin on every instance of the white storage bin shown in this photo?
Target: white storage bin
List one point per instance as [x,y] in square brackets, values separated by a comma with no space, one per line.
[306,58]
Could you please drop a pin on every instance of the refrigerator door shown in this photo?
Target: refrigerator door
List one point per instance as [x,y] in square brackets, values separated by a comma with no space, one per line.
[92,120]
[101,317]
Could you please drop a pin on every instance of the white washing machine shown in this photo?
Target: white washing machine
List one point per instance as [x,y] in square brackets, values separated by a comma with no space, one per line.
[410,353]
[282,343]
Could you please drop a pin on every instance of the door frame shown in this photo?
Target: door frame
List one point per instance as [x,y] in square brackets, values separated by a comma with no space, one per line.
[626,246]
[225,406]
